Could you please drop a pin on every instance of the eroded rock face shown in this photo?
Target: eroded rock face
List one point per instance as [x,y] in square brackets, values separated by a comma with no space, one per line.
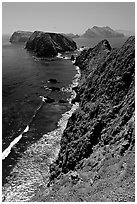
[49,44]
[106,113]
[20,36]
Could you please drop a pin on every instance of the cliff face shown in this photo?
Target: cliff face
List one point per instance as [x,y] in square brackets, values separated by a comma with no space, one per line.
[49,44]
[102,129]
[20,36]
[103,32]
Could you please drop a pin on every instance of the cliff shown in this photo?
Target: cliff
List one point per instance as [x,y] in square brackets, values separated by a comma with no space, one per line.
[96,158]
[101,32]
[20,36]
[49,44]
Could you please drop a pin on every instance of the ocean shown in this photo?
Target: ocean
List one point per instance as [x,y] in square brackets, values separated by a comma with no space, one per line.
[31,124]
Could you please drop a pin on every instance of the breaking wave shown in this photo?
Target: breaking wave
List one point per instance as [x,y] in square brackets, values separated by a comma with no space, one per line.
[62,56]
[7,151]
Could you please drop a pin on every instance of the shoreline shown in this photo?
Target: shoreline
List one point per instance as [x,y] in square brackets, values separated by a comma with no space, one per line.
[46,149]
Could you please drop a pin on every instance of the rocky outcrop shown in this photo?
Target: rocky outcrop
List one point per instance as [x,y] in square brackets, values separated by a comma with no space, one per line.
[102,32]
[105,119]
[49,44]
[20,36]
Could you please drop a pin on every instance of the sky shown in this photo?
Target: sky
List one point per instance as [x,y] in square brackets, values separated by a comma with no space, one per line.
[66,17]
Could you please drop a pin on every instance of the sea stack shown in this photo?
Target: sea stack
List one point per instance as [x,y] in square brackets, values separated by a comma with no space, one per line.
[49,44]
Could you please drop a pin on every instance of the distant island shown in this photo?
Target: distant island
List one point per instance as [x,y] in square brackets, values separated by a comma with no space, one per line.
[49,44]
[20,36]
[44,44]
[99,32]
[94,32]
[105,32]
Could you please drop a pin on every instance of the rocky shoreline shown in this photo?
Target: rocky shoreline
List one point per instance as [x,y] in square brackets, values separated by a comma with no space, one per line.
[102,129]
[32,169]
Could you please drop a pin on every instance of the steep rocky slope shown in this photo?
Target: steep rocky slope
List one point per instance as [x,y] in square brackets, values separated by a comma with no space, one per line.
[49,44]
[96,159]
[105,32]
[20,36]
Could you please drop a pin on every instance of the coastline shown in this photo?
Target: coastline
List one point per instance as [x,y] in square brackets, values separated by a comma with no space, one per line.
[38,156]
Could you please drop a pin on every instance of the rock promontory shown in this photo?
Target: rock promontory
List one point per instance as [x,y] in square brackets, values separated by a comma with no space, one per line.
[20,36]
[49,44]
[99,141]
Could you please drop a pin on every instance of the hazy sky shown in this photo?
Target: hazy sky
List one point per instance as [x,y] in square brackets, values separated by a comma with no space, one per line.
[68,17]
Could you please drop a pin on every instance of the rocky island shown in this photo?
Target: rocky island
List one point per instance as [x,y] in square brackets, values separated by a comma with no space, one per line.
[96,161]
[20,36]
[49,44]
[103,32]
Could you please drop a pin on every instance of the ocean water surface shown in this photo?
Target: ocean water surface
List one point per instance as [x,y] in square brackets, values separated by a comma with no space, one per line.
[26,116]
